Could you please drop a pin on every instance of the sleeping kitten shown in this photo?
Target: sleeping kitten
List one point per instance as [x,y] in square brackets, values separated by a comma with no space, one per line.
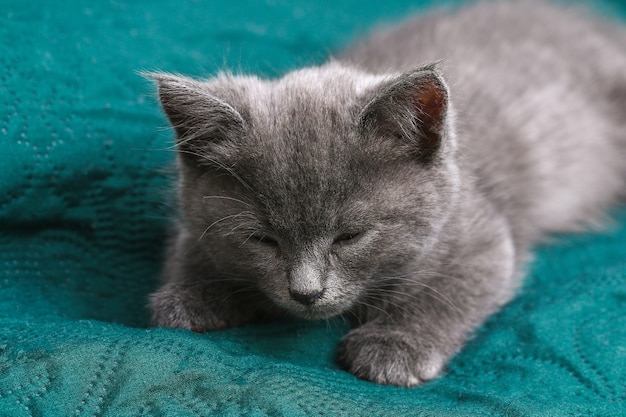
[402,194]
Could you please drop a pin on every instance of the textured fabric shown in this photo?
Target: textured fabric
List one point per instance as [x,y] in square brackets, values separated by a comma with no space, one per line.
[84,163]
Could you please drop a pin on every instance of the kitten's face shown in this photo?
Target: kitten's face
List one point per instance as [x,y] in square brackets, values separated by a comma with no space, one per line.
[312,198]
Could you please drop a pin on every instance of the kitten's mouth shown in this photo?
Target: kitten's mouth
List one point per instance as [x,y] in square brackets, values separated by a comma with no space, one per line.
[315,305]
[313,313]
[322,309]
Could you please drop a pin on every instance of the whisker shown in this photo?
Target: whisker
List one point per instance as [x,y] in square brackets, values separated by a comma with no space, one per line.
[221,220]
[248,238]
[356,316]
[211,161]
[227,169]
[223,197]
[375,307]
[439,297]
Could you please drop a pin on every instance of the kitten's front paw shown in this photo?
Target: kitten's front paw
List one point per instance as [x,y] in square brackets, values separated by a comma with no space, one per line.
[172,307]
[390,356]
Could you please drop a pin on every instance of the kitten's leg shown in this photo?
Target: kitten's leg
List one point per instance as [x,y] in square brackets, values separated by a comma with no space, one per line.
[201,305]
[417,326]
[185,306]
[193,298]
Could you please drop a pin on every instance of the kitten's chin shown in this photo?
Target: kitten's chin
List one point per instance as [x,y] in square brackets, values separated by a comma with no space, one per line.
[315,312]
[312,314]
[329,305]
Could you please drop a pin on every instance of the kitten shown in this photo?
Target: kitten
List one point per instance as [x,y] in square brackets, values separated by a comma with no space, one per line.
[404,195]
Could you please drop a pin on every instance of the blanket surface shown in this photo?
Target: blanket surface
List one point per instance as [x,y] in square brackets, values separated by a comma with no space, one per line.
[84,172]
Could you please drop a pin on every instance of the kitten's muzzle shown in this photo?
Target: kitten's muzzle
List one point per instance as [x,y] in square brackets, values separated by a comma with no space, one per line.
[306,298]
[306,282]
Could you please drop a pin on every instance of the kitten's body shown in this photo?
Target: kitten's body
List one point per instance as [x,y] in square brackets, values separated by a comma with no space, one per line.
[357,187]
[537,92]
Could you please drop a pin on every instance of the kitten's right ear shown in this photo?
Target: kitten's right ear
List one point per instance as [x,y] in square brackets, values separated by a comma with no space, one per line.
[198,117]
[412,107]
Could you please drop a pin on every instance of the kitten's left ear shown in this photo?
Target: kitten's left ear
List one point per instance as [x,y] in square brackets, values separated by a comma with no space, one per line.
[199,118]
[412,107]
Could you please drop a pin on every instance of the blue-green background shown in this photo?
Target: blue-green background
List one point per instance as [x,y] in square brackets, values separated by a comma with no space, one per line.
[85,156]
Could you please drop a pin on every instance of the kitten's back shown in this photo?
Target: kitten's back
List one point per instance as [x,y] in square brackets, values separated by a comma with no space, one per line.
[540,91]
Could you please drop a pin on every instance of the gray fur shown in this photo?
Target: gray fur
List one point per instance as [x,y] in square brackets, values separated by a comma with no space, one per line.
[404,195]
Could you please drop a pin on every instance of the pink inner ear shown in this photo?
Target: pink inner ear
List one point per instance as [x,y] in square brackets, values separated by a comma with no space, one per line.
[430,102]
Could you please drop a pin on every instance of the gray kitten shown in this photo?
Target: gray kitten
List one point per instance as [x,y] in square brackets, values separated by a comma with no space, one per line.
[404,195]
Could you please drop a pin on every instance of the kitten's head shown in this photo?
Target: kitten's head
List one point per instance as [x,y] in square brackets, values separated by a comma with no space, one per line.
[315,188]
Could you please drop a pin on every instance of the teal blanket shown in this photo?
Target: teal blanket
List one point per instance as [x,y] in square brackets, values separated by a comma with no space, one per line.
[84,167]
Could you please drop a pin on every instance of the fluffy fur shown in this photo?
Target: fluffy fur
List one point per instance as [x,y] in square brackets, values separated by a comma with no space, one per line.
[404,195]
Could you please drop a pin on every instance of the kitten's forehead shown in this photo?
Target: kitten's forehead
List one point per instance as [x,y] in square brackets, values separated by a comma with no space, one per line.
[308,116]
[302,155]
[331,79]
[303,152]
[329,85]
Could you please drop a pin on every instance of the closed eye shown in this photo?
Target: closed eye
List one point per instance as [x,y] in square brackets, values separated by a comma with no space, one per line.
[347,238]
[264,240]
